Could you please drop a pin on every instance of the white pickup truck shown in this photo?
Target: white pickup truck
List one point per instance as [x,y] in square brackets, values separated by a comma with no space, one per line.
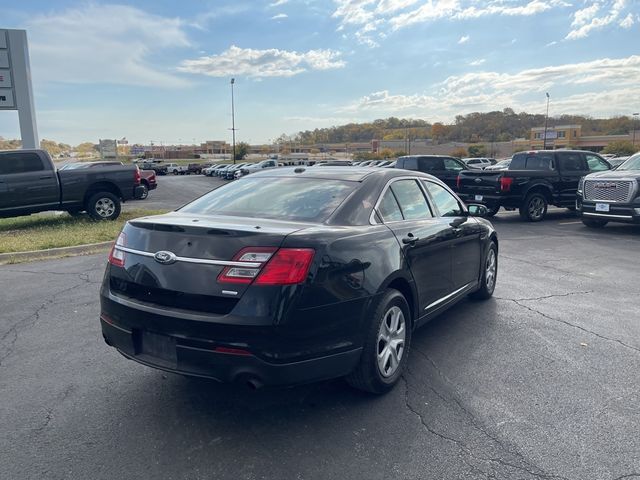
[176,169]
[257,167]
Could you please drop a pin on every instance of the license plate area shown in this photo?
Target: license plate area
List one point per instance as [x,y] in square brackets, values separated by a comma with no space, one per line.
[602,207]
[158,347]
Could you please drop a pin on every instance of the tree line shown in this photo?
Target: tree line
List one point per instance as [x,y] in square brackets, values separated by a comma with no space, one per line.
[497,126]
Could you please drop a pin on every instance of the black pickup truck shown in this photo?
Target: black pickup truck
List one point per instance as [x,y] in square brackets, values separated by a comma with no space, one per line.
[533,181]
[30,183]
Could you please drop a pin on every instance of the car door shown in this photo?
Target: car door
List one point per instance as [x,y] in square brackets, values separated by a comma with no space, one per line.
[571,167]
[452,167]
[466,246]
[25,183]
[425,240]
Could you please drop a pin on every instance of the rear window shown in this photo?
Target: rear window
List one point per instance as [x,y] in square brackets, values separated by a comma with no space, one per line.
[298,199]
[408,163]
[534,161]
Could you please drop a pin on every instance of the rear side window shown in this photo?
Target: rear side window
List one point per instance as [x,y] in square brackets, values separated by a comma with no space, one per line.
[411,200]
[389,209]
[571,162]
[286,198]
[532,162]
[408,163]
[20,162]
[429,164]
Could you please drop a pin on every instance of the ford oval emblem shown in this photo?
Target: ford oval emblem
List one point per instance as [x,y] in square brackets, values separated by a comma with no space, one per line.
[165,258]
[478,180]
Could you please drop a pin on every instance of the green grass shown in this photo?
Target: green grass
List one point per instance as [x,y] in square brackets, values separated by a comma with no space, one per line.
[43,231]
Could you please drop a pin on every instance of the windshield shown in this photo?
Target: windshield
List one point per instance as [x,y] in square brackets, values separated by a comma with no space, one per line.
[298,199]
[633,163]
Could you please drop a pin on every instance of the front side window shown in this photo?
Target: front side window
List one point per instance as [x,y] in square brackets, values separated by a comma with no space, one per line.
[447,204]
[570,162]
[20,162]
[411,200]
[596,164]
[452,165]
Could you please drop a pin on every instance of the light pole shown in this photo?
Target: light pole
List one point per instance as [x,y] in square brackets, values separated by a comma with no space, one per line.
[635,127]
[546,119]
[233,121]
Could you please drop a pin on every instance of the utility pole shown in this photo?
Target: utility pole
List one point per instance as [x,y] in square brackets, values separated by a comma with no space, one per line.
[233,121]
[635,127]
[546,119]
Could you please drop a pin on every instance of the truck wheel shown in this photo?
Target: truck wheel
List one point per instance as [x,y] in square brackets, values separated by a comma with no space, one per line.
[489,275]
[144,193]
[175,172]
[534,207]
[386,346]
[594,223]
[103,206]
[492,211]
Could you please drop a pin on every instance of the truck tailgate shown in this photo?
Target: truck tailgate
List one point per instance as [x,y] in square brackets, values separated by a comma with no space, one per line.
[479,182]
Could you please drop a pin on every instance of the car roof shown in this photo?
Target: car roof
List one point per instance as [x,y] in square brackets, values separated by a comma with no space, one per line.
[354,174]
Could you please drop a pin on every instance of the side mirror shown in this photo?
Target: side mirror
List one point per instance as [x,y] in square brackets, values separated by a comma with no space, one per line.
[477,210]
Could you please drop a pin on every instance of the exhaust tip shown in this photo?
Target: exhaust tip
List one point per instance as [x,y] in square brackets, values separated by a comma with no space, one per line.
[250,381]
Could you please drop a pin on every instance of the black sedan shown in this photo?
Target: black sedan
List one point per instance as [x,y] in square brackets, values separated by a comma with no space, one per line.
[295,275]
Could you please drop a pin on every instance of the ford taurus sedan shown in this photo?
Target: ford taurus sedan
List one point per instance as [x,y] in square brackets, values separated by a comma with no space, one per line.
[296,275]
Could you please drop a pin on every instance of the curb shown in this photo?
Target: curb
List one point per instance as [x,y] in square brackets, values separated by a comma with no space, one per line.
[53,252]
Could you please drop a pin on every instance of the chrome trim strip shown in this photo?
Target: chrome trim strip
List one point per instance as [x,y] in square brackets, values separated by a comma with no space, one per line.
[203,261]
[605,215]
[444,299]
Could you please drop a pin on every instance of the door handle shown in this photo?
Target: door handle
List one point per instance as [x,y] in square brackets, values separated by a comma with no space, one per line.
[46,177]
[410,239]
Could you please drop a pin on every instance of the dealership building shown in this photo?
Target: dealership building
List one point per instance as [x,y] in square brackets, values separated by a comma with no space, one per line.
[570,136]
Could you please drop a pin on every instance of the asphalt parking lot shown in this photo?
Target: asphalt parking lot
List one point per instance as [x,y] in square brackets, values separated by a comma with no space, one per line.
[539,382]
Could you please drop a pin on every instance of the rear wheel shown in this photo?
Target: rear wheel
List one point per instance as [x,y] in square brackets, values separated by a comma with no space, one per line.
[144,192]
[489,275]
[594,223]
[534,207]
[175,172]
[103,206]
[386,345]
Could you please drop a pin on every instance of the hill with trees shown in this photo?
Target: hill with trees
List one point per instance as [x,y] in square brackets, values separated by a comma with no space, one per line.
[498,126]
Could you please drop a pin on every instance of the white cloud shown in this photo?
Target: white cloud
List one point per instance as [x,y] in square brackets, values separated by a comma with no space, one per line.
[628,21]
[551,44]
[478,62]
[262,63]
[463,39]
[586,20]
[603,87]
[104,44]
[280,16]
[278,3]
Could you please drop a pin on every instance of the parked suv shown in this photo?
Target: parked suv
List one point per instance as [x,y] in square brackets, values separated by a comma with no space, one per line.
[442,167]
[611,196]
[176,169]
[479,163]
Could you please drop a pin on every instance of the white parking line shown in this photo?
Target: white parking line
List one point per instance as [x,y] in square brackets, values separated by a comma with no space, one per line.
[569,223]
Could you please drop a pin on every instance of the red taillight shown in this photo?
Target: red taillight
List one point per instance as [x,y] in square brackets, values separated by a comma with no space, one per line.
[117,256]
[136,176]
[287,267]
[458,181]
[232,351]
[246,274]
[505,184]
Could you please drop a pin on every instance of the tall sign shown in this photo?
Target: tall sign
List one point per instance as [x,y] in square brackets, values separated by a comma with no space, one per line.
[16,92]
[108,148]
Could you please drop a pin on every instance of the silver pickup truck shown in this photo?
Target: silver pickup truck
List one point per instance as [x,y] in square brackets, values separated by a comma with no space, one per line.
[611,196]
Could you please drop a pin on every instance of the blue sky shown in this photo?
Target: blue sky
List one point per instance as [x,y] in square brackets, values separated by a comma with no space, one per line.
[160,70]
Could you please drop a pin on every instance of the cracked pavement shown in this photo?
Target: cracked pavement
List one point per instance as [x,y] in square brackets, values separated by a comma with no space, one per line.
[540,382]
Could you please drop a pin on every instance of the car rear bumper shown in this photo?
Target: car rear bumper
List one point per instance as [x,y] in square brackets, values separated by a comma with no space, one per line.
[491,200]
[197,358]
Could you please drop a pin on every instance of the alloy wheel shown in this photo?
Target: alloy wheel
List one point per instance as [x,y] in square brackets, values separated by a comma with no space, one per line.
[105,207]
[490,270]
[391,341]
[536,208]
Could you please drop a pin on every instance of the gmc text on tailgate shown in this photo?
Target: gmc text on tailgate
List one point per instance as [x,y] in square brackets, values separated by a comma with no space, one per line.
[533,181]
[30,183]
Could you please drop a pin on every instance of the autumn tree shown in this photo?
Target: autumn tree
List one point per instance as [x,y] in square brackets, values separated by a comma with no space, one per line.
[477,150]
[459,153]
[621,148]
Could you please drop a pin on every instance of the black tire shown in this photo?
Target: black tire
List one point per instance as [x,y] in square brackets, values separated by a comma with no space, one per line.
[103,206]
[534,207]
[594,222]
[367,375]
[492,211]
[175,172]
[488,283]
[144,193]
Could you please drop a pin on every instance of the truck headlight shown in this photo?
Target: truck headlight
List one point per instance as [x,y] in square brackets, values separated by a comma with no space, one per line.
[580,184]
